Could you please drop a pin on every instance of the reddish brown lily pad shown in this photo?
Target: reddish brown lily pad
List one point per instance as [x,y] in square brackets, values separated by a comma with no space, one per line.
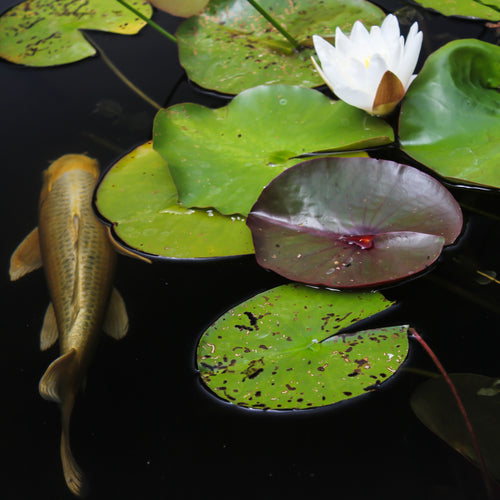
[352,222]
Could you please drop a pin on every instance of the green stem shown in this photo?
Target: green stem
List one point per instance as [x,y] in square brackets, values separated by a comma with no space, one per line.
[275,23]
[153,25]
[119,74]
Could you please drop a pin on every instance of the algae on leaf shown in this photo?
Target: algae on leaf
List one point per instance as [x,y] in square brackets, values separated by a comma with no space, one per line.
[283,349]
[46,32]
[230,47]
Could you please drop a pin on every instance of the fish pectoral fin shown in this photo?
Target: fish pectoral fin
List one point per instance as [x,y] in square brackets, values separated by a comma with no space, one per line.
[50,332]
[59,372]
[116,319]
[124,251]
[26,256]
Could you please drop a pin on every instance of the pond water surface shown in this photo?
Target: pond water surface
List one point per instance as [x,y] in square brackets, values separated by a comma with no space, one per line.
[145,427]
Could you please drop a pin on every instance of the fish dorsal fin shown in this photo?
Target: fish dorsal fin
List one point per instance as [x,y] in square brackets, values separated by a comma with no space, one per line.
[58,372]
[116,320]
[50,332]
[26,256]
[75,228]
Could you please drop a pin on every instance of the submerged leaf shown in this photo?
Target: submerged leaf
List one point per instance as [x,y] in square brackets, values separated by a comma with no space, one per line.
[352,222]
[46,32]
[223,158]
[230,47]
[435,406]
[282,349]
[450,117]
[137,196]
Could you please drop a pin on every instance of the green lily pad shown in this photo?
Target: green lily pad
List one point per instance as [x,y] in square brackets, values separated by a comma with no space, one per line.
[435,406]
[46,32]
[181,8]
[282,349]
[477,9]
[230,47]
[137,196]
[223,158]
[450,117]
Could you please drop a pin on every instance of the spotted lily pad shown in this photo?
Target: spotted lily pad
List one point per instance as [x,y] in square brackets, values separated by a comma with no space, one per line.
[138,198]
[435,406]
[283,349]
[450,117]
[230,47]
[477,9]
[352,222]
[46,32]
[223,158]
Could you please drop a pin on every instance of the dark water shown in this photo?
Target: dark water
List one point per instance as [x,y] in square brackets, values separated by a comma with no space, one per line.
[145,428]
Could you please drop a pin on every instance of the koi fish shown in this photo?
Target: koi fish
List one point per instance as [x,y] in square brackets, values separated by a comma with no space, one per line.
[79,261]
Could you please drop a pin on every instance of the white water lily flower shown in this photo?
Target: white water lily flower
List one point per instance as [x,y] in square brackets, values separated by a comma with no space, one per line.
[371,71]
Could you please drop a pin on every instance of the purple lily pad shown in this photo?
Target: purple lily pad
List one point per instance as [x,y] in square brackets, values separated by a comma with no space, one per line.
[352,222]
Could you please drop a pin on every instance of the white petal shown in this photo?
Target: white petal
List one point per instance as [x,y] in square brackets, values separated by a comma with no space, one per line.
[321,73]
[395,55]
[412,77]
[410,57]
[328,57]
[342,42]
[324,49]
[356,98]
[390,28]
[357,75]
[377,42]
[359,33]
[374,74]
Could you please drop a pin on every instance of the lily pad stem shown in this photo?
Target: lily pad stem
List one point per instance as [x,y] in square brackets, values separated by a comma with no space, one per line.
[275,23]
[151,23]
[119,74]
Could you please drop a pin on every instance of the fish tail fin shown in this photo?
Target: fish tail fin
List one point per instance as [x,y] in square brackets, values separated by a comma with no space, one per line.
[74,476]
[59,384]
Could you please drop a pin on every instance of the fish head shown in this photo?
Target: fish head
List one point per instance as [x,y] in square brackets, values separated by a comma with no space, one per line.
[66,164]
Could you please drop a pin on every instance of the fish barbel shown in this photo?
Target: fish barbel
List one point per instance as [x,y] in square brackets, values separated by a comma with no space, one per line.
[79,262]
